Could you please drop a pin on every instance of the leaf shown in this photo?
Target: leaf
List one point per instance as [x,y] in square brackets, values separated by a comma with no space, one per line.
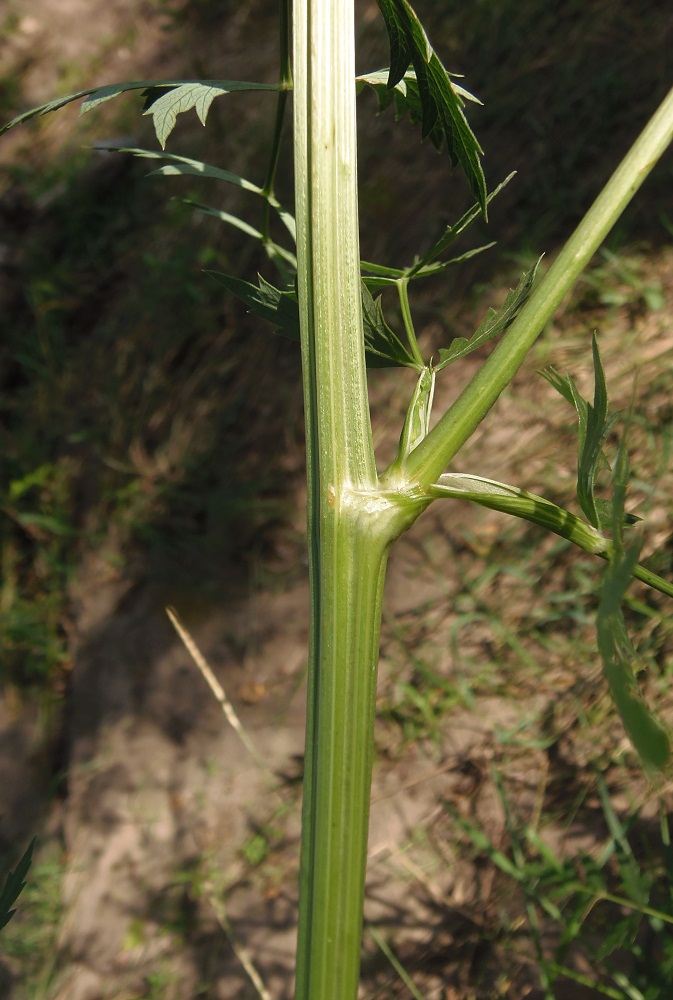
[38,477]
[441,265]
[45,109]
[451,233]
[636,887]
[14,884]
[273,249]
[598,426]
[441,101]
[280,308]
[417,420]
[565,385]
[406,97]
[98,95]
[166,108]
[179,166]
[481,842]
[648,735]
[382,346]
[528,506]
[232,220]
[381,274]
[495,322]
[594,424]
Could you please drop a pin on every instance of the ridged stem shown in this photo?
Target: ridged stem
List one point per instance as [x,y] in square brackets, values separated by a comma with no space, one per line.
[429,460]
[347,538]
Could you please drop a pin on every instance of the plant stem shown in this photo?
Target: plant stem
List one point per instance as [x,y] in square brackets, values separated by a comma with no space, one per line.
[347,540]
[285,85]
[430,458]
[351,520]
[328,245]
[403,293]
[339,748]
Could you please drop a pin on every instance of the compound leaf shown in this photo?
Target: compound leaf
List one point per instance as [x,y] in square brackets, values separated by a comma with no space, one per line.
[280,308]
[451,233]
[276,252]
[594,423]
[441,101]
[528,506]
[648,735]
[382,346]
[166,108]
[495,322]
[98,95]
[179,166]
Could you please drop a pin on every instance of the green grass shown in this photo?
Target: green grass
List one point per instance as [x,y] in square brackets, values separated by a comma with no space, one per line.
[105,452]
[600,917]
[29,941]
[541,919]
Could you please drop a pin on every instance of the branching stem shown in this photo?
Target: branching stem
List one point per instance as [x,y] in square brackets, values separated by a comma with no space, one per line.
[430,458]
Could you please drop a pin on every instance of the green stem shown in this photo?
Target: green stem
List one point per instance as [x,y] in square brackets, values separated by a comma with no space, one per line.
[284,86]
[339,748]
[653,580]
[403,292]
[328,247]
[348,540]
[285,43]
[351,520]
[429,459]
[268,189]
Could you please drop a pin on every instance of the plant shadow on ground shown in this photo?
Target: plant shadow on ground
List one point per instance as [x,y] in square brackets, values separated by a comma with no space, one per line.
[149,424]
[535,920]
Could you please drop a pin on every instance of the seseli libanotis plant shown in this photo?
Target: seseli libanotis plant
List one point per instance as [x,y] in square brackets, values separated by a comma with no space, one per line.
[328,298]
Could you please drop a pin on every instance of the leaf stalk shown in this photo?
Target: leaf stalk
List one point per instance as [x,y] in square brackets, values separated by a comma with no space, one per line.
[429,459]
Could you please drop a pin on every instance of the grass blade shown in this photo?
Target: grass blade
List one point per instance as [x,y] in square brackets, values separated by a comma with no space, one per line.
[14,885]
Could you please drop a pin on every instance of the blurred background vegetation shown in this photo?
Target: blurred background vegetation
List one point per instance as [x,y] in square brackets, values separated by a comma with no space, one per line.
[136,397]
[142,413]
